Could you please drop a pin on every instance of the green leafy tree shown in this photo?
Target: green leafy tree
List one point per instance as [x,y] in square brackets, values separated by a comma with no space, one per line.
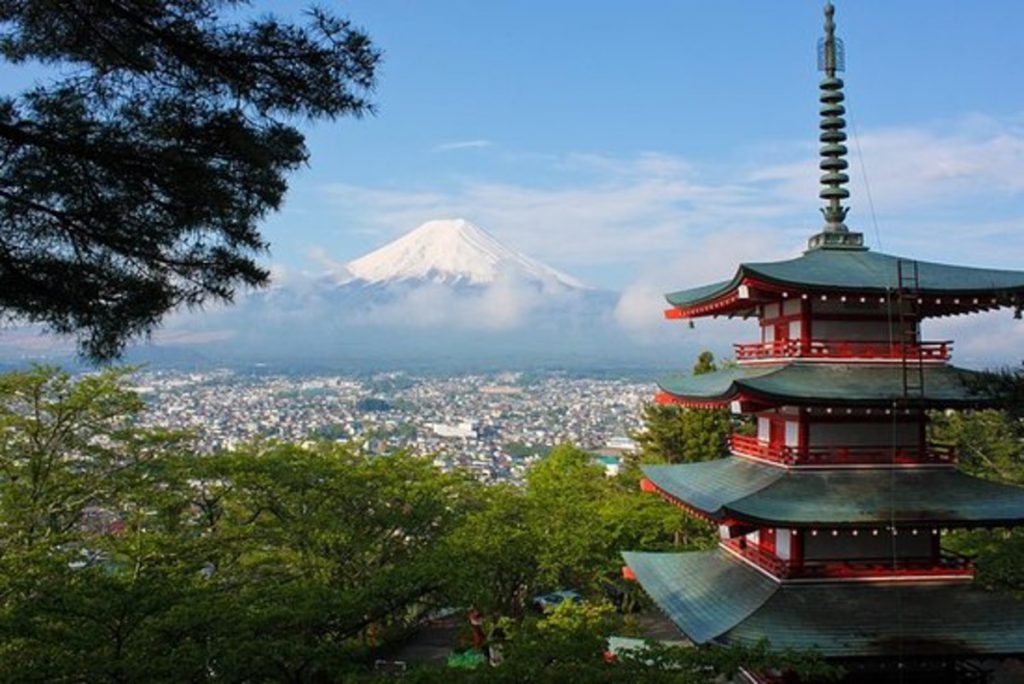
[989,445]
[1006,387]
[100,564]
[705,363]
[125,556]
[134,179]
[565,529]
[674,434]
[639,521]
[564,492]
[67,448]
[332,547]
[496,550]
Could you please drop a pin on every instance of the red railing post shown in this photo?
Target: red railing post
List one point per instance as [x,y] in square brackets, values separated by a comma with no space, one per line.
[839,349]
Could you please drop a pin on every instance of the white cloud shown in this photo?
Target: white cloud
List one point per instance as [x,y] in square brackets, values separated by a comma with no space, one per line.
[910,168]
[984,340]
[279,274]
[635,209]
[32,340]
[322,258]
[503,305]
[190,338]
[462,145]
[710,258]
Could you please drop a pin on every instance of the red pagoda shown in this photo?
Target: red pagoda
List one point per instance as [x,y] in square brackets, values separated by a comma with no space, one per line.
[831,515]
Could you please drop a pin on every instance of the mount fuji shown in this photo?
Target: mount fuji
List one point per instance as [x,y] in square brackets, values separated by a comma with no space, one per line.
[444,293]
[453,252]
[451,275]
[447,294]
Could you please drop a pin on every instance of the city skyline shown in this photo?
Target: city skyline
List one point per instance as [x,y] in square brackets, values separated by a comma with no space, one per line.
[492,425]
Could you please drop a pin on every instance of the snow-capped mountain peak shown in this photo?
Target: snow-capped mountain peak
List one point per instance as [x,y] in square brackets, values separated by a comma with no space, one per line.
[453,251]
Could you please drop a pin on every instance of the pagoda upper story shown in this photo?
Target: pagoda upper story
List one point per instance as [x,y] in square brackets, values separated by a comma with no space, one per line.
[839,300]
[809,306]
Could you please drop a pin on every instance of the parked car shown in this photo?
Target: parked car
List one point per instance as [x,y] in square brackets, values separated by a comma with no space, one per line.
[544,602]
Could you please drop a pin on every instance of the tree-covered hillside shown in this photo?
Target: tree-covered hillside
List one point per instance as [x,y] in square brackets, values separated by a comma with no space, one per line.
[125,556]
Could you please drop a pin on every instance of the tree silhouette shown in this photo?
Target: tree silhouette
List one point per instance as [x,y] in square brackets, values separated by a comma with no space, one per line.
[134,180]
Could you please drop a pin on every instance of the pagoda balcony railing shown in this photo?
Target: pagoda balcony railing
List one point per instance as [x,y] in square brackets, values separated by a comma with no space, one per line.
[833,454]
[843,349]
[946,565]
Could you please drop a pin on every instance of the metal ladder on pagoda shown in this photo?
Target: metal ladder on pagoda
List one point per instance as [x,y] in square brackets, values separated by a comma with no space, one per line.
[908,294]
[908,287]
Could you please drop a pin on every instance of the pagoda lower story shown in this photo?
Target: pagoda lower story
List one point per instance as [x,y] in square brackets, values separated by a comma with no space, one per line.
[946,630]
[842,559]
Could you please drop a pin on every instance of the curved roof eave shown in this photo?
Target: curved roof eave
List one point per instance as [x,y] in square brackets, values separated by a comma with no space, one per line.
[751,492]
[857,271]
[713,597]
[854,620]
[705,593]
[826,384]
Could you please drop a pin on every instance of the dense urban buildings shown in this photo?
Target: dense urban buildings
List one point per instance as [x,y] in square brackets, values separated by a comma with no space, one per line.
[493,425]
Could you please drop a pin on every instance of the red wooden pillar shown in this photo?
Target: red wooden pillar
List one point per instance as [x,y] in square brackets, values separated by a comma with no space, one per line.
[796,549]
[776,434]
[805,326]
[803,436]
[766,539]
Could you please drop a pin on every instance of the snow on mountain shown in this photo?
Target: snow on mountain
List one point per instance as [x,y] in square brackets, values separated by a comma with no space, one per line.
[455,252]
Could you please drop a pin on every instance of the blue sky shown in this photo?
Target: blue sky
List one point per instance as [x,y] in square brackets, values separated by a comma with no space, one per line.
[662,141]
[616,142]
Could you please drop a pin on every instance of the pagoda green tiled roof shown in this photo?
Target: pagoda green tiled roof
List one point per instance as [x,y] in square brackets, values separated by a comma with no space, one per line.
[833,384]
[738,488]
[709,486]
[713,597]
[713,593]
[858,271]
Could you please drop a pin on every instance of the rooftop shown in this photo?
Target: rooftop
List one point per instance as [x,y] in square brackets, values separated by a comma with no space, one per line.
[862,272]
[714,597]
[740,489]
[836,384]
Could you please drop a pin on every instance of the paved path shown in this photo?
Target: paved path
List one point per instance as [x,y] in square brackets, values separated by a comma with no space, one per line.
[429,644]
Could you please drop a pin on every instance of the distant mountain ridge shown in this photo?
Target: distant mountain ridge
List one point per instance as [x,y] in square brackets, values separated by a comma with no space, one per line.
[453,252]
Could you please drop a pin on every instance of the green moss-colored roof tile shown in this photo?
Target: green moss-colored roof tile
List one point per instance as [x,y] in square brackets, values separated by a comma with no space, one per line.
[709,486]
[838,384]
[864,620]
[714,597]
[738,488]
[705,594]
[861,271]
